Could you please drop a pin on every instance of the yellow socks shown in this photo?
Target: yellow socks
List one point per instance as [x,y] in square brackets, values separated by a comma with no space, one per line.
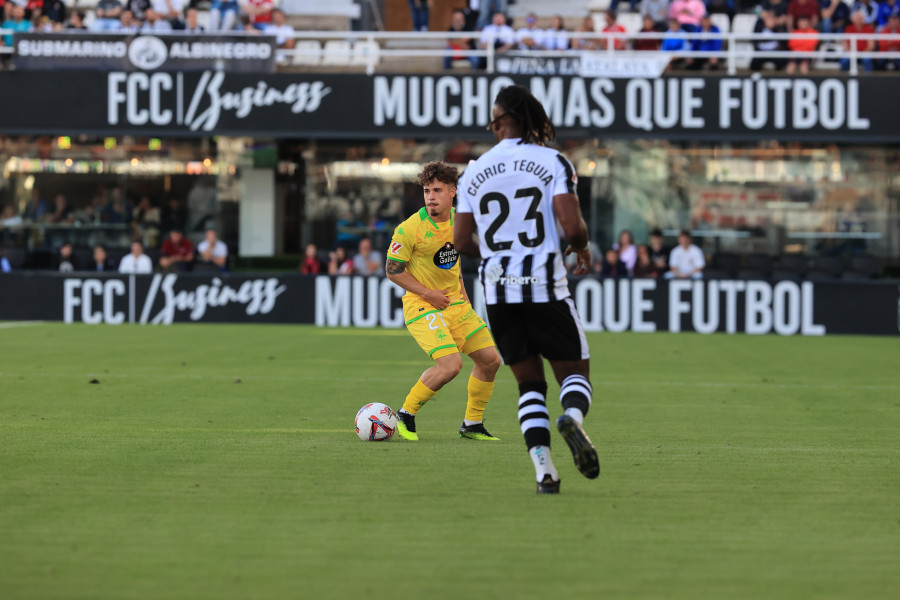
[479,394]
[418,396]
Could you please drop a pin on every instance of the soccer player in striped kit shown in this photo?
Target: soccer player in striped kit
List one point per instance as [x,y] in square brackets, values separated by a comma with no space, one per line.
[514,197]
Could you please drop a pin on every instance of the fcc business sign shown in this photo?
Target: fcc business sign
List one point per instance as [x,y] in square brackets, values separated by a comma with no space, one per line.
[169,52]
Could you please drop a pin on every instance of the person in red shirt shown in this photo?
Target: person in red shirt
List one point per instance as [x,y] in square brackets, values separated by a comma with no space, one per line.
[649,27]
[802,8]
[857,27]
[802,44]
[613,27]
[311,264]
[892,27]
[177,252]
[259,11]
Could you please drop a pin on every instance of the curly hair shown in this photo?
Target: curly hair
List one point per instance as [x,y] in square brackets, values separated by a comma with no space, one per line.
[439,170]
[519,104]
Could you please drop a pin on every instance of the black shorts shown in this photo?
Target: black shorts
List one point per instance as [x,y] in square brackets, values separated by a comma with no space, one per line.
[550,329]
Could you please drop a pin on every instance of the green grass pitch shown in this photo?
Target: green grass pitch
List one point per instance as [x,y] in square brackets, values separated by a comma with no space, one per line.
[220,462]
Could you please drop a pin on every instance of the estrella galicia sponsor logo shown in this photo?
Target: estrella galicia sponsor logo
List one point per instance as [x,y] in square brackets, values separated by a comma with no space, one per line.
[446,256]
[147,52]
[494,274]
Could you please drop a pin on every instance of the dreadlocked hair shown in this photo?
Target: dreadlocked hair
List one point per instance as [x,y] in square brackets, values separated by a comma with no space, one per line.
[518,102]
[439,170]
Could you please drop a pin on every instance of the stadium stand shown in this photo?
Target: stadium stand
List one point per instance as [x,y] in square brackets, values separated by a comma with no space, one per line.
[826,267]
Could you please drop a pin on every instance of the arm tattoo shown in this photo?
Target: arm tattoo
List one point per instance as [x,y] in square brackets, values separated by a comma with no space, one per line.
[394,267]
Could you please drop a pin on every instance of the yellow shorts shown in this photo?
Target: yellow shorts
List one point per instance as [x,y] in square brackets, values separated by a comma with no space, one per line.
[455,329]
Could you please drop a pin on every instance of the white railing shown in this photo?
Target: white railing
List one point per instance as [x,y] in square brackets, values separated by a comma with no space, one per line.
[738,48]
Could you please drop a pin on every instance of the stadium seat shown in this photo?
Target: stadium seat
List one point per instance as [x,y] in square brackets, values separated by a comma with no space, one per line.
[362,50]
[796,263]
[631,22]
[336,52]
[727,261]
[782,274]
[307,52]
[114,255]
[758,262]
[865,265]
[827,266]
[331,8]
[721,21]
[206,267]
[15,256]
[82,256]
[751,274]
[714,273]
[743,24]
[832,61]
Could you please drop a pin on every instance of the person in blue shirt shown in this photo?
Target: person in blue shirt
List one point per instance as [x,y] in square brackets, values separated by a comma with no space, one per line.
[886,9]
[869,9]
[705,45]
[674,41]
[16,22]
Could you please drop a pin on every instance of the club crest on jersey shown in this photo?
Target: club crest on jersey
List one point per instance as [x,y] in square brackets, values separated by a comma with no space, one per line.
[446,256]
[395,247]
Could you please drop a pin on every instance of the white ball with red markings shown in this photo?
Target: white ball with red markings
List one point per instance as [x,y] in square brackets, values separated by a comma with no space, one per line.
[376,422]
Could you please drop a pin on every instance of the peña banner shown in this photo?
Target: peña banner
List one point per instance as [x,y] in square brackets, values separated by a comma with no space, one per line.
[324,105]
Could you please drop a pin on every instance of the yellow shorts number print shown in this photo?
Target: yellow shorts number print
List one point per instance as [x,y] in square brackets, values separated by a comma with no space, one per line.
[454,329]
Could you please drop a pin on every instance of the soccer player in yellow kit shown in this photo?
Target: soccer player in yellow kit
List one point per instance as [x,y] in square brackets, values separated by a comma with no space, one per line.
[422,260]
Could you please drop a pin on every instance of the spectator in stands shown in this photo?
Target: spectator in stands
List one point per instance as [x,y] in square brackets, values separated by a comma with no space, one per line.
[580,42]
[418,10]
[893,27]
[259,12]
[223,15]
[136,261]
[65,260]
[643,266]
[118,210]
[16,22]
[647,44]
[688,13]
[173,215]
[658,11]
[145,219]
[338,263]
[138,8]
[367,261]
[62,212]
[886,9]
[171,11]
[835,15]
[127,22]
[530,37]
[311,265]
[284,33]
[686,261]
[76,21]
[107,15]
[727,7]
[556,37]
[705,45]
[458,24]
[626,249]
[674,41]
[868,8]
[191,26]
[100,262]
[858,26]
[212,250]
[803,8]
[613,267]
[154,23]
[33,9]
[486,10]
[612,27]
[778,8]
[55,11]
[36,210]
[498,34]
[803,43]
[766,24]
[177,252]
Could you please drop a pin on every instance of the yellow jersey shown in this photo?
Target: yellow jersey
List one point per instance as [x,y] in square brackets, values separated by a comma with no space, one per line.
[428,252]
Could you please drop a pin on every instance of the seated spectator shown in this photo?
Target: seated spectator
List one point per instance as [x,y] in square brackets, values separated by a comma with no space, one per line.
[686,261]
[779,9]
[145,218]
[688,13]
[893,27]
[418,10]
[259,12]
[647,44]
[191,26]
[486,10]
[100,263]
[76,21]
[107,15]
[613,267]
[173,215]
[367,261]
[803,8]
[311,264]
[868,8]
[212,250]
[36,209]
[154,23]
[643,266]
[338,263]
[498,34]
[223,15]
[658,254]
[55,11]
[127,23]
[626,249]
[139,9]
[580,42]
[674,40]
[802,44]
[658,11]
[612,27]
[705,45]
[177,252]
[136,261]
[886,10]
[556,37]
[65,261]
[835,14]
[858,26]
[284,33]
[17,22]
[171,11]
[530,37]
[766,24]
[458,25]
[117,211]
[62,212]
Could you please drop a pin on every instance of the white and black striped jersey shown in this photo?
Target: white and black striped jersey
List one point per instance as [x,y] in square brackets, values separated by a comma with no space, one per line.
[509,191]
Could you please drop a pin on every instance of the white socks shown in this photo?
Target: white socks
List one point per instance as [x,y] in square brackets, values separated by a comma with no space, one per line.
[576,414]
[469,423]
[543,464]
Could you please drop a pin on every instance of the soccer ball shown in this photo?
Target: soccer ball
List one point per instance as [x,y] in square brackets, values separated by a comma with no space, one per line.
[375,422]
